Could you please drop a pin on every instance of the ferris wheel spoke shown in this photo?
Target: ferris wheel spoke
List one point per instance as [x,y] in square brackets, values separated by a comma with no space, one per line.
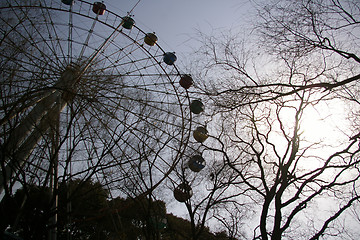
[133,66]
[50,25]
[125,112]
[35,43]
[121,54]
[128,146]
[70,37]
[158,105]
[103,46]
[151,121]
[86,42]
[24,62]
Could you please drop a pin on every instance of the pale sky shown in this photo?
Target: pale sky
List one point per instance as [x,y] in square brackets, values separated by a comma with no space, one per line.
[175,22]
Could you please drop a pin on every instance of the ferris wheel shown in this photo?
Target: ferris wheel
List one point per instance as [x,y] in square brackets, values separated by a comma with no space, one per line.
[87,90]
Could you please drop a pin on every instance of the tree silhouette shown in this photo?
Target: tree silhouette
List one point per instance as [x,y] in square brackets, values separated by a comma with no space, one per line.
[91,215]
[267,96]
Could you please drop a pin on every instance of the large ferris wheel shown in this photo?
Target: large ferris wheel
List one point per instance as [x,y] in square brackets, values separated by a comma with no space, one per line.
[86,90]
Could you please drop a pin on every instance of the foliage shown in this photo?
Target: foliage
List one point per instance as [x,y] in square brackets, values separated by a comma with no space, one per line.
[84,212]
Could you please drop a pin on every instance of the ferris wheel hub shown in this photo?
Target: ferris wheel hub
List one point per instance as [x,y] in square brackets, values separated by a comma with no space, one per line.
[68,81]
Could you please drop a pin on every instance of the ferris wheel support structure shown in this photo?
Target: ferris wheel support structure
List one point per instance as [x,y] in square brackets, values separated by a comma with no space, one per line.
[40,119]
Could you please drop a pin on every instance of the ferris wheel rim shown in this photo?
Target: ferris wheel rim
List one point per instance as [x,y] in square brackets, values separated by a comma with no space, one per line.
[184,138]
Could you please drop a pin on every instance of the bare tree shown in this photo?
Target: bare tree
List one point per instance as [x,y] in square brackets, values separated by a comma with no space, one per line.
[208,190]
[268,95]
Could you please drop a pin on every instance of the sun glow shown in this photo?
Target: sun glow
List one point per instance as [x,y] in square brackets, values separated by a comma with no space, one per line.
[324,129]
[325,123]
